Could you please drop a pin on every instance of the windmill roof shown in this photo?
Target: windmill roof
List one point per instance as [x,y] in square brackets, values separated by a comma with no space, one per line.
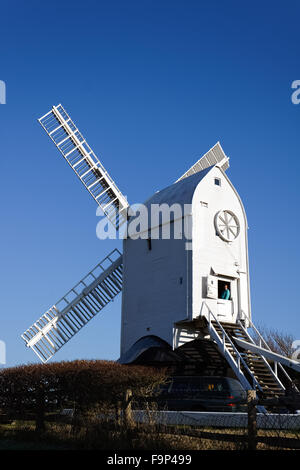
[181,192]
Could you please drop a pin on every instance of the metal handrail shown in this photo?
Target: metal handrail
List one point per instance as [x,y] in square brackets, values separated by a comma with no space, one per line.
[261,339]
[264,359]
[240,358]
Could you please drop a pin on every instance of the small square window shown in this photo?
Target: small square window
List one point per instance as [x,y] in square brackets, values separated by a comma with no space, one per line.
[218,181]
[224,289]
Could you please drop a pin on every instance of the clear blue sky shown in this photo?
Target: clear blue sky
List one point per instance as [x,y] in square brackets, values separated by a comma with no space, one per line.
[152,85]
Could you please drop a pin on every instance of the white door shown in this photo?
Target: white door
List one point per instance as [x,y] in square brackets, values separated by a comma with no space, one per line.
[212,287]
[225,310]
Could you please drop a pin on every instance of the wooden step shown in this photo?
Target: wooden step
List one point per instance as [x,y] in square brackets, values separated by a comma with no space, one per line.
[256,364]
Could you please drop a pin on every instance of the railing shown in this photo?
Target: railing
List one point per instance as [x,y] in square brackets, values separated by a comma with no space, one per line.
[239,359]
[262,340]
[274,373]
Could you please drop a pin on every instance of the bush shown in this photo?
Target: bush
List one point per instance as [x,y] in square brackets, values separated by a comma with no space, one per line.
[38,389]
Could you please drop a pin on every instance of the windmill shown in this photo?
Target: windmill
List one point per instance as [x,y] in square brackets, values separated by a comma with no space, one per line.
[171,296]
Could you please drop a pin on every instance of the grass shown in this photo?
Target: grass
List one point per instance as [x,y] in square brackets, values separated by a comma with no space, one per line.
[107,435]
[22,436]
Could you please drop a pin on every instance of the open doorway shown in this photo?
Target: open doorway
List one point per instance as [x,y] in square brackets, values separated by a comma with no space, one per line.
[223,287]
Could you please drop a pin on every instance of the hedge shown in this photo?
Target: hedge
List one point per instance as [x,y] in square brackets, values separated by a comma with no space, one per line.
[41,388]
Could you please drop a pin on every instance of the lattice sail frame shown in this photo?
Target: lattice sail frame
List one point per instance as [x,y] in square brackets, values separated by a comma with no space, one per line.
[215,156]
[74,148]
[76,308]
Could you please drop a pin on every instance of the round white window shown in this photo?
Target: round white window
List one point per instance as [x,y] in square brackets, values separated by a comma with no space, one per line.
[227,225]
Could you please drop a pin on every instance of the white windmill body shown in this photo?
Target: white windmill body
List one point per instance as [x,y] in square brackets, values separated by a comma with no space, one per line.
[172,286]
[168,283]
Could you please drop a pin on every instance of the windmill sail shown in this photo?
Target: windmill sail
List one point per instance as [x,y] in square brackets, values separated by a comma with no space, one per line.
[74,148]
[88,297]
[215,156]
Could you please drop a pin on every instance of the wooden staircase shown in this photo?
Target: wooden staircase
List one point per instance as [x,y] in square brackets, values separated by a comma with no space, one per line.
[202,357]
[258,367]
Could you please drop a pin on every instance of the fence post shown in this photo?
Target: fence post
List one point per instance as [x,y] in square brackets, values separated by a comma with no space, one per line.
[40,409]
[118,408]
[127,408]
[252,428]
